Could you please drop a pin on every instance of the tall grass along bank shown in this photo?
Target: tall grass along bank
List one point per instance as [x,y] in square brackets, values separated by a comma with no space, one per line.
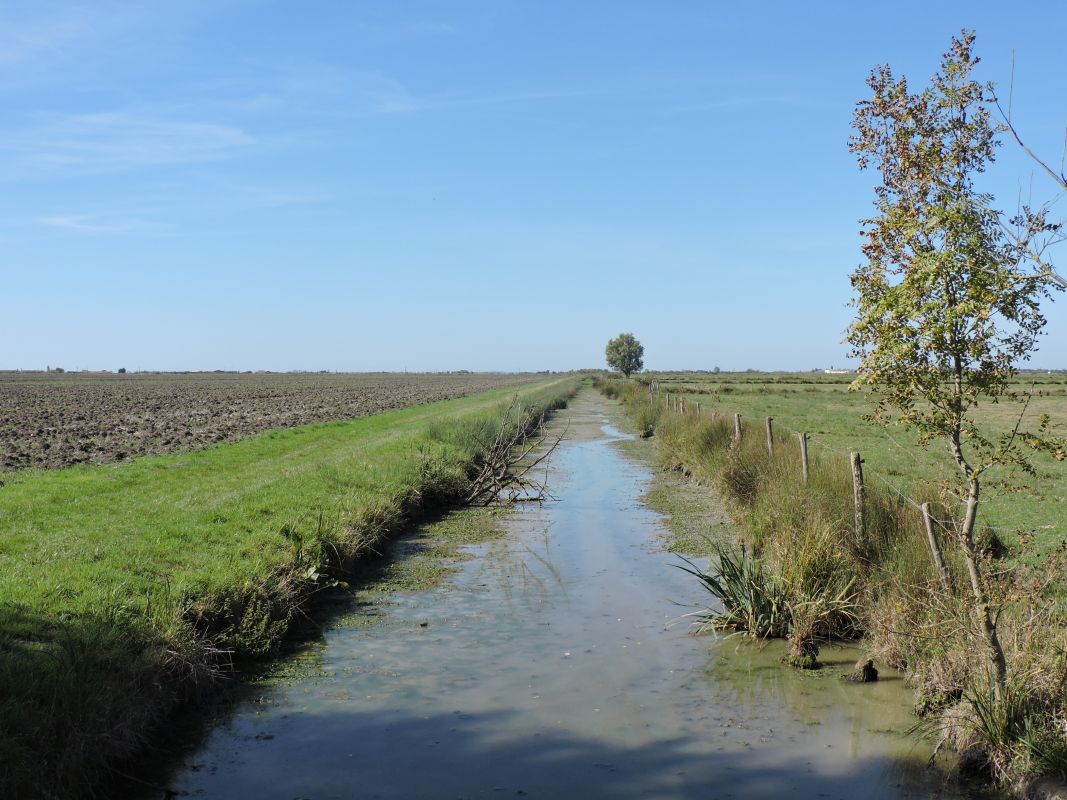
[128,589]
[806,568]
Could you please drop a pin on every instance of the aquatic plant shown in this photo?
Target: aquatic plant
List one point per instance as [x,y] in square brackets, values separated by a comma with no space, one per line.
[752,600]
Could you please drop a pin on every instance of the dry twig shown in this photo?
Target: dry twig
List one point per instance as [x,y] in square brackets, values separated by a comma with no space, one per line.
[506,472]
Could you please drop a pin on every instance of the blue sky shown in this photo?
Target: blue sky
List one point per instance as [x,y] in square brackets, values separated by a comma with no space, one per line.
[462,185]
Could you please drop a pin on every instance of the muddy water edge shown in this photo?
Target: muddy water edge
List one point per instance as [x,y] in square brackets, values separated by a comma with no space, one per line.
[546,665]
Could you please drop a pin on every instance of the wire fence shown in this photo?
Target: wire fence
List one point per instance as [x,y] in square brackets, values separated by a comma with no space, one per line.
[682,406]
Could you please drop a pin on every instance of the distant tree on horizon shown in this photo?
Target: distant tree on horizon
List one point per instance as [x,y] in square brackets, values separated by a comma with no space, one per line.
[625,354]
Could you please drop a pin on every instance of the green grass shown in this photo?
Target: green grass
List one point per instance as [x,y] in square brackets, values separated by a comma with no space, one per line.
[822,406]
[74,540]
[126,588]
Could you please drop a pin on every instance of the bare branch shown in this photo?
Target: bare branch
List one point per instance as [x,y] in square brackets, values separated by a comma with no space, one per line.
[1036,254]
[1058,177]
[507,464]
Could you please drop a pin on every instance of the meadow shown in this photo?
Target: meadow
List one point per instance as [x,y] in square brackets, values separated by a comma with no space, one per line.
[822,406]
[127,589]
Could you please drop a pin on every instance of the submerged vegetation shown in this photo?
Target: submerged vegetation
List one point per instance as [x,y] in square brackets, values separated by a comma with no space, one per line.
[802,571]
[129,589]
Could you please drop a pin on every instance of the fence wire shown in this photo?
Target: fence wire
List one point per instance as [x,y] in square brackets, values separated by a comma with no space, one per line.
[888,484]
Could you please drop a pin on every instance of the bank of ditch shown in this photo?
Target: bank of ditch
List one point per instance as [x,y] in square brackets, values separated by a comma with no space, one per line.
[802,571]
[129,590]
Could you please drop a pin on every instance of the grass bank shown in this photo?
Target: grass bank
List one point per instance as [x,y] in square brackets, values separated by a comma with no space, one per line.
[128,589]
[803,571]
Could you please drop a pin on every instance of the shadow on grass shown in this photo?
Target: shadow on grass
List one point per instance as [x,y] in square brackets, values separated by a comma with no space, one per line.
[70,690]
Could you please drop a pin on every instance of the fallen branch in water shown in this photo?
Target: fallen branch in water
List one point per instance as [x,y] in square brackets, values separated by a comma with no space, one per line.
[506,472]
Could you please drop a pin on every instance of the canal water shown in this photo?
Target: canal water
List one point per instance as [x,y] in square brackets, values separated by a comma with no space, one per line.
[547,666]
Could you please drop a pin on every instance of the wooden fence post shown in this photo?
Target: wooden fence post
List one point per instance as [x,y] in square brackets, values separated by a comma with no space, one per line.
[804,454]
[770,437]
[859,496]
[737,427]
[935,549]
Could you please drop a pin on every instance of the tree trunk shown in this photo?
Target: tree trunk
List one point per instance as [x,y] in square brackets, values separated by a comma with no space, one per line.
[980,607]
[983,616]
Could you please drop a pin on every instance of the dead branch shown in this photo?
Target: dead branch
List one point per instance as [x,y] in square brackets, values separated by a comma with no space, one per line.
[506,472]
[1058,177]
[1026,241]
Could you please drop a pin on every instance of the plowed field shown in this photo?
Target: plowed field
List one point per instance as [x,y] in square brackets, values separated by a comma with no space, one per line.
[60,419]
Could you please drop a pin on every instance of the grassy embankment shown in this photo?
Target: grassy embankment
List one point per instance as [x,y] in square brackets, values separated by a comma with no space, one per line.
[128,589]
[804,572]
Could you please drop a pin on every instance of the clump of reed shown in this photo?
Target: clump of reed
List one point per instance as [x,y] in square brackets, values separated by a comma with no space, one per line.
[752,600]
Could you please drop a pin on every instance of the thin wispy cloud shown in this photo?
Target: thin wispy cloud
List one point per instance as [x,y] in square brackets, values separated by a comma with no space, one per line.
[395,98]
[318,86]
[113,141]
[83,224]
[435,27]
[370,90]
[23,40]
[235,198]
[742,102]
[317,89]
[474,100]
[307,89]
